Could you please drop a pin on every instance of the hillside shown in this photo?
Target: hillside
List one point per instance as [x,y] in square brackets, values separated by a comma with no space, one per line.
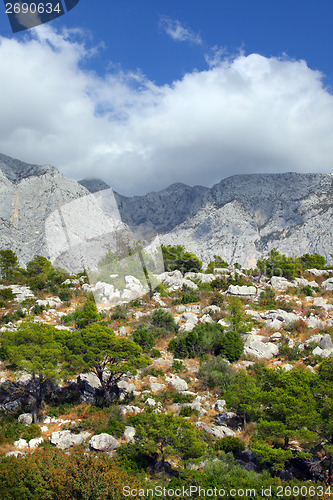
[240,365]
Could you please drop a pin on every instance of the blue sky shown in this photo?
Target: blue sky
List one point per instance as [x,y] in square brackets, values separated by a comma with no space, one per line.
[144,94]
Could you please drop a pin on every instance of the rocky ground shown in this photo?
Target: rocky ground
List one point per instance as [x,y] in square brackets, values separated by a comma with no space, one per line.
[296,331]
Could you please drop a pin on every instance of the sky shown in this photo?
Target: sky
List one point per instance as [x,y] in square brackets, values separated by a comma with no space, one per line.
[143,94]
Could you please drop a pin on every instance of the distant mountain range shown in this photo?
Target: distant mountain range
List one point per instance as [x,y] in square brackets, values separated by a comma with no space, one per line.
[240,218]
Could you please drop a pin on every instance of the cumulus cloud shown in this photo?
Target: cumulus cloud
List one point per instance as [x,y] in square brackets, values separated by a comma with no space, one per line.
[179,33]
[243,114]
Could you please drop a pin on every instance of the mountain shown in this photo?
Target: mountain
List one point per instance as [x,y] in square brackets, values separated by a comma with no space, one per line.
[240,218]
[29,194]
[94,185]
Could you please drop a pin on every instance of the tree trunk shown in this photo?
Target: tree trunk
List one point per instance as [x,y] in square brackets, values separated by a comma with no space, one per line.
[286,443]
[35,404]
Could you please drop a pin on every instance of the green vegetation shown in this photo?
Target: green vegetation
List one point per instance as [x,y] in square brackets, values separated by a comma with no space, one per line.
[176,258]
[207,338]
[97,349]
[167,435]
[39,350]
[54,474]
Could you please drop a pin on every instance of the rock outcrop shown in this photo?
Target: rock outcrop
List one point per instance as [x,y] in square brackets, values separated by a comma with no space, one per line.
[241,218]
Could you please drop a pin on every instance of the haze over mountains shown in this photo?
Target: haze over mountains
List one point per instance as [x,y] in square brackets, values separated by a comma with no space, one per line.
[240,218]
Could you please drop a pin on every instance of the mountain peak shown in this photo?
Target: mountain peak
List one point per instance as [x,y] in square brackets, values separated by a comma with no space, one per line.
[16,170]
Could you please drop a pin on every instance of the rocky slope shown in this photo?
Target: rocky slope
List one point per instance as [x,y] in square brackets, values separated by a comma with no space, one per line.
[28,195]
[240,218]
[243,216]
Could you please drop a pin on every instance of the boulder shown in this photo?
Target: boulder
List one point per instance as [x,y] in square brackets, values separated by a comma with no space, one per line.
[191,320]
[260,349]
[126,386]
[326,342]
[242,291]
[279,283]
[328,284]
[204,278]
[129,434]
[103,442]
[155,386]
[206,318]
[21,443]
[315,322]
[15,454]
[34,443]
[304,282]
[25,418]
[219,405]
[212,308]
[66,439]
[254,314]
[177,383]
[280,315]
[151,402]
[321,302]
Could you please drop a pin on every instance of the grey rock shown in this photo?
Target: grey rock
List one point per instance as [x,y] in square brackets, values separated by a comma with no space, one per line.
[243,216]
[103,442]
[242,291]
[34,443]
[282,316]
[259,349]
[126,386]
[21,444]
[15,454]
[279,283]
[66,439]
[214,309]
[129,434]
[326,342]
[155,386]
[25,418]
[219,405]
[328,284]
[177,383]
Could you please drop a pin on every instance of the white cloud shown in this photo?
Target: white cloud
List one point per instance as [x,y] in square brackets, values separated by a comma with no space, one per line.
[245,114]
[178,33]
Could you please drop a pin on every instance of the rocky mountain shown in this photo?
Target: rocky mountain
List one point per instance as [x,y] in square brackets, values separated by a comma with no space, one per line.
[240,218]
[29,194]
[94,185]
[243,216]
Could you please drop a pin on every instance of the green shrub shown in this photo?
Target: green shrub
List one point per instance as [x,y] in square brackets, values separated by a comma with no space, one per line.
[114,428]
[7,294]
[31,432]
[144,338]
[155,353]
[183,398]
[306,290]
[187,411]
[231,346]
[65,294]
[163,319]
[38,309]
[178,367]
[267,299]
[230,444]
[176,258]
[154,372]
[216,373]
[118,314]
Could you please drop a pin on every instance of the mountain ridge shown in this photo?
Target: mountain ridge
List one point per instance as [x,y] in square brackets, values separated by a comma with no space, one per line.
[240,218]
